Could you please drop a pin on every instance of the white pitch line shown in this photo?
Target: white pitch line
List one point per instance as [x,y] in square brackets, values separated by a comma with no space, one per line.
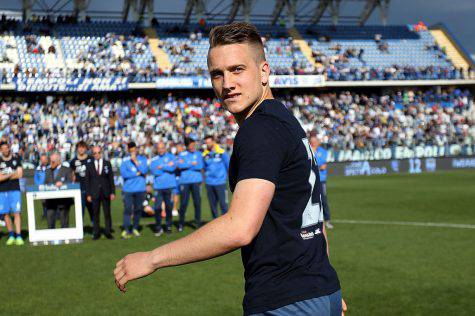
[400,223]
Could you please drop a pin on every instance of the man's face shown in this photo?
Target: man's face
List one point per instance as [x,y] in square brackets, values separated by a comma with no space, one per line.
[5,149]
[133,150]
[237,77]
[314,142]
[161,148]
[81,150]
[54,161]
[97,152]
[209,143]
[43,160]
[191,147]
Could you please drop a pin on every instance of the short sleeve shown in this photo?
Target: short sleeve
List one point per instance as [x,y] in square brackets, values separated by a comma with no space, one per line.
[18,161]
[261,149]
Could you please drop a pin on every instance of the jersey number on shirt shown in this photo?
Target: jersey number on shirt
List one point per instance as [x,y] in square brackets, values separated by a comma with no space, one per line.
[312,213]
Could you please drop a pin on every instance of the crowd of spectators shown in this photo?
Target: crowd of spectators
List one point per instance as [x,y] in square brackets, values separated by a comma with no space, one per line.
[409,118]
[344,120]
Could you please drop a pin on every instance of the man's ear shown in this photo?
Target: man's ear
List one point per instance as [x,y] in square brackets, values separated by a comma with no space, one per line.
[265,73]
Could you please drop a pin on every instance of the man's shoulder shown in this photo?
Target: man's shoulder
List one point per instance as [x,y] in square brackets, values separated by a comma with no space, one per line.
[264,125]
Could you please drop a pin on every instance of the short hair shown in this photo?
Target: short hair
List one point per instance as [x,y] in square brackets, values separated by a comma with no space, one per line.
[131,145]
[81,144]
[188,141]
[3,142]
[237,33]
[209,136]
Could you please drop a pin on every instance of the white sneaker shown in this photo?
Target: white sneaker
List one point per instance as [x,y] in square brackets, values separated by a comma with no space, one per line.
[175,213]
[2,223]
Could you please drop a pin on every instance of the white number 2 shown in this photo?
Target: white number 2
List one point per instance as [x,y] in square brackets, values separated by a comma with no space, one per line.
[312,213]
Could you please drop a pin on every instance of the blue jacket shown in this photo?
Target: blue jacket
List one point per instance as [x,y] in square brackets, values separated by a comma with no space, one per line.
[321,158]
[40,174]
[128,170]
[216,166]
[165,177]
[189,173]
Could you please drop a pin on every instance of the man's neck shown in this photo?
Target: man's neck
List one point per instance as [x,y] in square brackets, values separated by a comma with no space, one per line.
[9,157]
[82,157]
[241,117]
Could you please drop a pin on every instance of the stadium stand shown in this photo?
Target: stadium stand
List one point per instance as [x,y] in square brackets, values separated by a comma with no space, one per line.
[121,49]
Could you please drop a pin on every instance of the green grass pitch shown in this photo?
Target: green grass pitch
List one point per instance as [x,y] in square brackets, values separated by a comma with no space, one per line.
[384,269]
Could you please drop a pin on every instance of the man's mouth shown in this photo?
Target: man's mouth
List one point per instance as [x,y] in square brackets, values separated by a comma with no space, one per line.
[231,96]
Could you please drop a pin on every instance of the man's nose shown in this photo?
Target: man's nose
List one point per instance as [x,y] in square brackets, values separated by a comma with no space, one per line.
[228,81]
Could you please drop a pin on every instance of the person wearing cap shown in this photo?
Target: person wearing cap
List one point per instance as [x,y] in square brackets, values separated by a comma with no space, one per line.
[190,162]
[133,170]
[216,162]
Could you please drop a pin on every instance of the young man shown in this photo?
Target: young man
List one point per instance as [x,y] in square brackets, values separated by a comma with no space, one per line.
[10,195]
[163,168]
[190,163]
[216,171]
[321,155]
[275,214]
[79,164]
[133,169]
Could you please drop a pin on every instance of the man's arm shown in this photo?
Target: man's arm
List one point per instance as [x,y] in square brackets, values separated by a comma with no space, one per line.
[326,239]
[5,177]
[36,178]
[126,173]
[111,178]
[235,229]
[17,174]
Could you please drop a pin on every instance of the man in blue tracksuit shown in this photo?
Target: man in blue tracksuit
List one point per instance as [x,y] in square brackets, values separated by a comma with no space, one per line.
[216,162]
[134,170]
[163,168]
[40,174]
[190,163]
[40,171]
[321,155]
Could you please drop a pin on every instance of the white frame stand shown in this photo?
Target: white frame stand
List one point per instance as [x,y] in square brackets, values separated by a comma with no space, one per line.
[59,235]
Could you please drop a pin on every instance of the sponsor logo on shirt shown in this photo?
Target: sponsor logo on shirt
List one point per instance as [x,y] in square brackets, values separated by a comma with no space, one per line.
[310,234]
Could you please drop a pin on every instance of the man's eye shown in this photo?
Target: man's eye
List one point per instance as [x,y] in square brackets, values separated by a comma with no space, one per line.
[215,75]
[238,70]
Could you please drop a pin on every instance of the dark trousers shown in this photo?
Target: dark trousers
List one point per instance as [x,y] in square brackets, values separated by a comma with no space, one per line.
[86,204]
[163,195]
[184,197]
[106,208]
[63,216]
[217,193]
[326,208]
[133,203]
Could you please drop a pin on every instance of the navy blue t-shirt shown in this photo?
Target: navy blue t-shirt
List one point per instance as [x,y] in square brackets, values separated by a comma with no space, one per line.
[287,261]
[7,167]
[79,168]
